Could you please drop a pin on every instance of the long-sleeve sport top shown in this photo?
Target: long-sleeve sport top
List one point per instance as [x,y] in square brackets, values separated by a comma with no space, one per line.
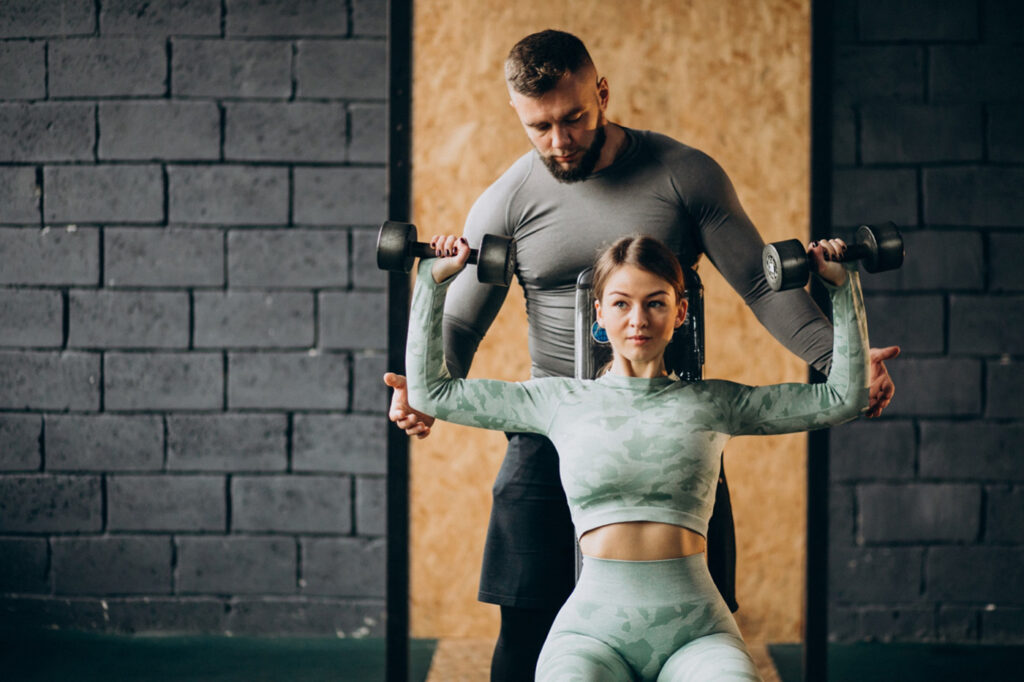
[634,449]
[656,186]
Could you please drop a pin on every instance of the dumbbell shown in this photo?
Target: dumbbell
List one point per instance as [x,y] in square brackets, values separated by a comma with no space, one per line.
[787,266]
[397,248]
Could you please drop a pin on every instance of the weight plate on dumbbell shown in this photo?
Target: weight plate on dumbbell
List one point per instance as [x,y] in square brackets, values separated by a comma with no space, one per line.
[496,260]
[785,265]
[393,246]
[885,244]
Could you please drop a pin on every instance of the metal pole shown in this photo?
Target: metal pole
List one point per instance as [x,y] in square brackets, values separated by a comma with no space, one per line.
[399,199]
[815,651]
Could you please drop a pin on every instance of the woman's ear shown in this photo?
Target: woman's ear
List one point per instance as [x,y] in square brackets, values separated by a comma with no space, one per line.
[681,313]
[597,313]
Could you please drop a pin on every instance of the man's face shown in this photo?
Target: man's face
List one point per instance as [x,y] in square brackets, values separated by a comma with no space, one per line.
[566,124]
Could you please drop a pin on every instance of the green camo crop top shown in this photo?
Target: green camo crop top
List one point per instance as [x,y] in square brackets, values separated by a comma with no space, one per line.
[633,449]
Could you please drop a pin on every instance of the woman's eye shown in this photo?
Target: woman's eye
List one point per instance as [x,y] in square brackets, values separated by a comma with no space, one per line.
[657,304]
[619,304]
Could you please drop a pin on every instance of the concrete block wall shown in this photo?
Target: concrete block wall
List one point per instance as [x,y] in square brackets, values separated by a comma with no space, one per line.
[191,323]
[928,502]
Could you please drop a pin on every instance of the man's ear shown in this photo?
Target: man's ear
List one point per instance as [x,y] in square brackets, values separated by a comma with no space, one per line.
[602,92]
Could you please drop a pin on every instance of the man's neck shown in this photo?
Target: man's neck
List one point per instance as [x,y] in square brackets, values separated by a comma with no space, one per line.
[614,142]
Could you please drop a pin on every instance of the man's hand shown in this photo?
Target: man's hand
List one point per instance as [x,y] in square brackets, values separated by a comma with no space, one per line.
[414,423]
[881,389]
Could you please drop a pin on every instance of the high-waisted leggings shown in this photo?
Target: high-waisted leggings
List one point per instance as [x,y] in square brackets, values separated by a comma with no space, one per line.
[648,621]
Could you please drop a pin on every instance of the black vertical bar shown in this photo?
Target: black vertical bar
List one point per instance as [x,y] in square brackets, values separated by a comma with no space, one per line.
[815,651]
[399,201]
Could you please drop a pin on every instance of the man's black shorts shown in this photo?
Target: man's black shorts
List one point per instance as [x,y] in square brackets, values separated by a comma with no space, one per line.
[529,556]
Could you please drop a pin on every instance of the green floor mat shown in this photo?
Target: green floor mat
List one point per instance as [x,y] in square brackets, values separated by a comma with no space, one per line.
[906,662]
[83,657]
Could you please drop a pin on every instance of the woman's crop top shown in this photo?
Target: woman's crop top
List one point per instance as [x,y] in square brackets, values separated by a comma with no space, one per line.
[633,449]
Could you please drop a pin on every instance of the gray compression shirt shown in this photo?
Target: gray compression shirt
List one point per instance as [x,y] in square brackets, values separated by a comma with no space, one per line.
[656,186]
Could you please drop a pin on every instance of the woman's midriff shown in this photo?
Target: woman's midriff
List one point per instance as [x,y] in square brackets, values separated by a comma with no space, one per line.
[641,541]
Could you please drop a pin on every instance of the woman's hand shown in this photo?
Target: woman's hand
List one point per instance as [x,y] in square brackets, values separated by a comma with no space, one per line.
[452,254]
[824,255]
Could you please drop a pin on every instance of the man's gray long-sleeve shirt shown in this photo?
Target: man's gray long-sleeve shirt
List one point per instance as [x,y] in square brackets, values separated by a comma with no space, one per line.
[656,186]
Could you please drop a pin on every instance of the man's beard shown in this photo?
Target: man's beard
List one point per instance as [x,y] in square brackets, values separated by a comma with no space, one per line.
[585,165]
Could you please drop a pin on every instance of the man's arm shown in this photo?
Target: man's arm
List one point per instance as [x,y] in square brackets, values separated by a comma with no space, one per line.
[734,246]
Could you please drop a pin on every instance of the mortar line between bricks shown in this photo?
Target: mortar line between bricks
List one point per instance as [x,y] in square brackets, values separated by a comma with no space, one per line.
[919,181]
[227,504]
[222,112]
[174,565]
[982,515]
[317,342]
[984,132]
[224,363]
[986,257]
[351,382]
[46,69]
[168,83]
[42,444]
[291,196]
[166,445]
[65,300]
[353,529]
[224,260]
[926,73]
[101,244]
[102,381]
[186,97]
[50,578]
[104,505]
[293,72]
[268,163]
[96,132]
[947,324]
[289,442]
[42,195]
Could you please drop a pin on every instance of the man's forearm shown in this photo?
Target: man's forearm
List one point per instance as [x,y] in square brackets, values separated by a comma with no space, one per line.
[460,344]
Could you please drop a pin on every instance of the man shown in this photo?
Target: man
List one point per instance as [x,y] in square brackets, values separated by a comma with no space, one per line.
[587,182]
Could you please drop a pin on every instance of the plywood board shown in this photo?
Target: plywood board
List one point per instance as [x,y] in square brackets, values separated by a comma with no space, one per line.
[729,77]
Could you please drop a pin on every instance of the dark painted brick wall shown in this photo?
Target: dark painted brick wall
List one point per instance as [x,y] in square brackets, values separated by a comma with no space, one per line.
[191,415]
[927,503]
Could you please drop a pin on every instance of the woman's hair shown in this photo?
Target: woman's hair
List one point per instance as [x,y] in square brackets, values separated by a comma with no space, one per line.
[646,253]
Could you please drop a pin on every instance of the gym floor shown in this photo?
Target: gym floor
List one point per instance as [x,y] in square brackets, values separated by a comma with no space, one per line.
[60,655]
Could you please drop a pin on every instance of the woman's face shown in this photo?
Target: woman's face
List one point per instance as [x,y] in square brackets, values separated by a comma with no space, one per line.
[639,310]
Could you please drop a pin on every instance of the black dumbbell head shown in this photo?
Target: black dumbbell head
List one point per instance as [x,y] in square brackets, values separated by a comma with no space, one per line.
[393,246]
[785,265]
[496,260]
[884,244]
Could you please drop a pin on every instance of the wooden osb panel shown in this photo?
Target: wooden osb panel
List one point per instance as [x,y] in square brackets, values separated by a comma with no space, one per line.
[729,77]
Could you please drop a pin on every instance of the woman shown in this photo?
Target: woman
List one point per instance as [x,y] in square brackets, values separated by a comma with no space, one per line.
[639,457]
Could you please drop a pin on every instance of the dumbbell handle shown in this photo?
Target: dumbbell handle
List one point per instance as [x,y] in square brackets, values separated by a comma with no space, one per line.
[425,250]
[853,252]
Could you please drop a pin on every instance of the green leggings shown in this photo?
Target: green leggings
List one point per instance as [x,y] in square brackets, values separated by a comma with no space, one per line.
[645,621]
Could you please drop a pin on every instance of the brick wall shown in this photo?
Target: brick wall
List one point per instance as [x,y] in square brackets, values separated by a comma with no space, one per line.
[928,503]
[192,328]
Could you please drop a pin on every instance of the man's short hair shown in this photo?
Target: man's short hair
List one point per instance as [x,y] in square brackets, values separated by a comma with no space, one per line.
[537,62]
